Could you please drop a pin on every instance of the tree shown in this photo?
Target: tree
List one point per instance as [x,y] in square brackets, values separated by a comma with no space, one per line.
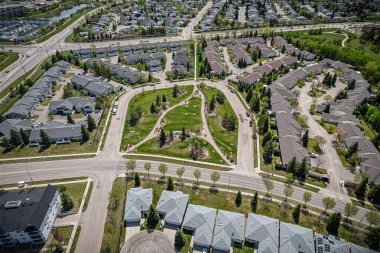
[70,119]
[215,176]
[350,210]
[328,203]
[152,108]
[288,192]
[296,214]
[268,153]
[180,171]
[85,133]
[163,169]
[197,174]
[162,139]
[374,194]
[238,199]
[24,137]
[211,106]
[302,170]
[306,197]
[179,240]
[137,180]
[45,139]
[320,140]
[305,138]
[148,167]
[361,188]
[268,185]
[67,201]
[153,218]
[175,91]
[130,166]
[373,218]
[170,184]
[249,96]
[373,238]
[353,149]
[292,165]
[254,202]
[15,138]
[183,134]
[91,125]
[333,223]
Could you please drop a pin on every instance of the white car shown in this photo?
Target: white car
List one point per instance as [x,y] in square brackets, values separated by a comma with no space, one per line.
[313,155]
[116,103]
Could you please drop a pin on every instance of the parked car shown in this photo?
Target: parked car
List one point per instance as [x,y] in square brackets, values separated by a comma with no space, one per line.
[313,155]
[114,111]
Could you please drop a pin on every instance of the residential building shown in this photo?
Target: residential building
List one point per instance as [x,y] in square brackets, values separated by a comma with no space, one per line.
[330,244]
[294,238]
[59,133]
[27,217]
[68,105]
[172,206]
[228,231]
[14,124]
[137,204]
[263,232]
[200,220]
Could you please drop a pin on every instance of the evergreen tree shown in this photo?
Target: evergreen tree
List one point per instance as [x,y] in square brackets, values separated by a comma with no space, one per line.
[70,119]
[162,140]
[137,180]
[153,218]
[353,149]
[373,238]
[164,99]
[254,202]
[85,133]
[267,137]
[158,100]
[333,223]
[91,125]
[15,138]
[327,108]
[305,138]
[180,240]
[238,199]
[263,123]
[85,67]
[7,144]
[45,139]
[374,194]
[175,91]
[255,104]
[211,106]
[302,170]
[292,165]
[268,153]
[296,214]
[67,201]
[170,184]
[152,108]
[361,188]
[183,134]
[249,96]
[24,137]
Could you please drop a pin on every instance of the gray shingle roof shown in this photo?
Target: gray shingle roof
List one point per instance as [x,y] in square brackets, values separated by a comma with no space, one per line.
[138,200]
[173,206]
[330,244]
[263,230]
[294,238]
[202,220]
[229,227]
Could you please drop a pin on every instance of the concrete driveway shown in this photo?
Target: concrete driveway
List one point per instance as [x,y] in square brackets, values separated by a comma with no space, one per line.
[169,231]
[148,241]
[131,229]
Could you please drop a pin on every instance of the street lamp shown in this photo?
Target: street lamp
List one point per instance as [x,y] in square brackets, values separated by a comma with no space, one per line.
[30,176]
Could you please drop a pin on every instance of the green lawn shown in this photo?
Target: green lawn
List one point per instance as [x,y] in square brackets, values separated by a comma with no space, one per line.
[60,235]
[111,242]
[226,140]
[75,191]
[331,37]
[313,147]
[179,149]
[330,128]
[7,59]
[356,44]
[187,116]
[134,134]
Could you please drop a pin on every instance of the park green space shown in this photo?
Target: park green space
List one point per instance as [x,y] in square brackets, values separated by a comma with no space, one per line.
[226,140]
[187,116]
[356,44]
[134,134]
[7,59]
[113,230]
[179,149]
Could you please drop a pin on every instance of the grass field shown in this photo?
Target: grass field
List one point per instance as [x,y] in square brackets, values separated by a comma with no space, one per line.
[60,235]
[179,149]
[226,140]
[356,44]
[7,59]
[115,218]
[313,147]
[187,116]
[331,37]
[76,191]
[134,134]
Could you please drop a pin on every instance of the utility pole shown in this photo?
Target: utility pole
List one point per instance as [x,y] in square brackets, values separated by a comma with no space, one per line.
[30,176]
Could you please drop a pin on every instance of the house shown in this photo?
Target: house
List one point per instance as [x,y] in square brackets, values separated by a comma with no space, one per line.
[59,133]
[68,105]
[14,124]
[200,220]
[172,206]
[92,86]
[294,238]
[263,232]
[27,217]
[137,204]
[228,231]
[154,65]
[330,244]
